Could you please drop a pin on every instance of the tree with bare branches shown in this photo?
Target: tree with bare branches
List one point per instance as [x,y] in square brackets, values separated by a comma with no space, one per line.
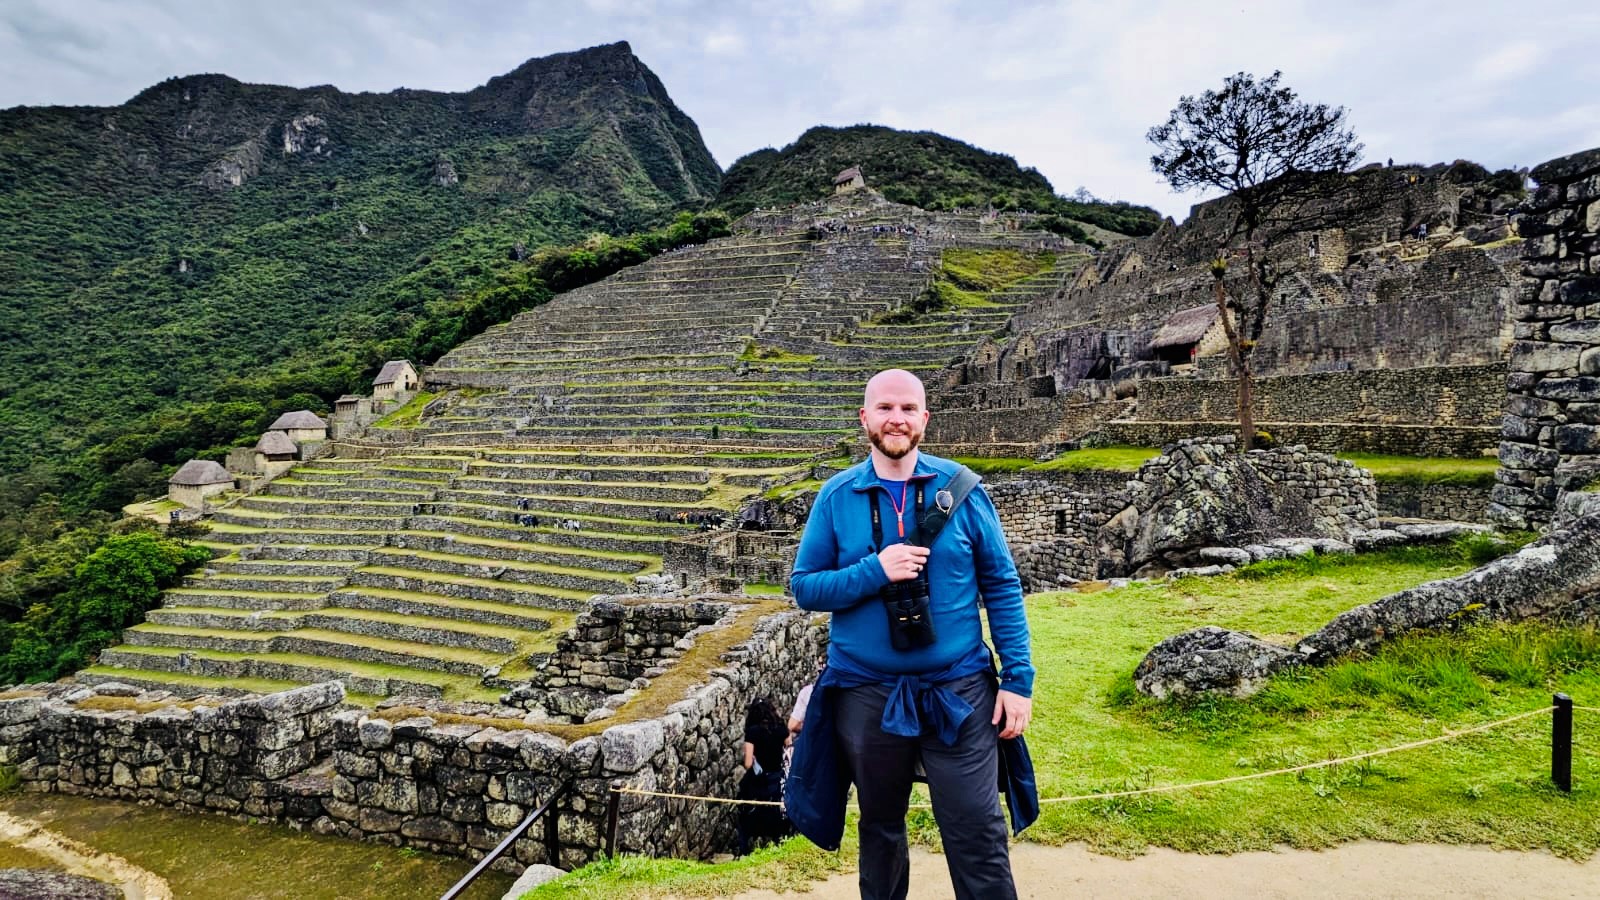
[1274,154]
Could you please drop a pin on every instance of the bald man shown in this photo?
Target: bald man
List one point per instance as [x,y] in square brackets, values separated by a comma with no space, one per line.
[910,681]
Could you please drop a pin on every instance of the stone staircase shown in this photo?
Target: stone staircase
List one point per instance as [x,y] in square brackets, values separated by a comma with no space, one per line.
[582,437]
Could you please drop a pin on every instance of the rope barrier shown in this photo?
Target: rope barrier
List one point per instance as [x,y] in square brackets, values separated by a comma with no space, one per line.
[1594,709]
[1253,776]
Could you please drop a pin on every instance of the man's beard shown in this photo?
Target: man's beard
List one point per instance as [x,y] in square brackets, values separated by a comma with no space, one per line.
[879,440]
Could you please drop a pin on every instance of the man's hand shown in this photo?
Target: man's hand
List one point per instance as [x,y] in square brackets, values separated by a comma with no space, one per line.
[1017,711]
[902,562]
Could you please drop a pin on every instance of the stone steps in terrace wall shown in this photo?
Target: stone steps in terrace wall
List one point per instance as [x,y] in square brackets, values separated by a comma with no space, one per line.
[417,624]
[230,533]
[292,553]
[370,491]
[711,344]
[818,437]
[321,644]
[491,472]
[513,573]
[311,568]
[670,494]
[146,664]
[592,539]
[187,685]
[415,603]
[633,517]
[620,421]
[284,584]
[490,551]
[469,588]
[309,523]
[223,598]
[717,458]
[314,506]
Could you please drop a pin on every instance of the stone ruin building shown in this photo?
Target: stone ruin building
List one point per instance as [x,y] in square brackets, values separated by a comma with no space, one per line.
[538,582]
[1377,340]
[196,481]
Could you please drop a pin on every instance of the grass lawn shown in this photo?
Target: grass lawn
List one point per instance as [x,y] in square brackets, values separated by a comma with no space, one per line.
[1115,459]
[1093,733]
[408,416]
[1477,472]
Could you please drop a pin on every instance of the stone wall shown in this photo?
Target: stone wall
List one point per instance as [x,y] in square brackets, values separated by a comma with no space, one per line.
[1551,438]
[613,650]
[1447,395]
[1071,526]
[1556,578]
[1462,441]
[445,777]
[726,560]
[1051,521]
[1444,502]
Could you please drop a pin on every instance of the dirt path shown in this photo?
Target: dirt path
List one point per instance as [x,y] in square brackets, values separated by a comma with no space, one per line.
[79,859]
[1363,870]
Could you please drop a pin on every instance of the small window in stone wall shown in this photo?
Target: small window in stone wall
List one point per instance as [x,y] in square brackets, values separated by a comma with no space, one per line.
[1061,521]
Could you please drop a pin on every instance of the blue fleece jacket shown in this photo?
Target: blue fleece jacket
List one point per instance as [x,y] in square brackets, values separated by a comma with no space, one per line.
[837,571]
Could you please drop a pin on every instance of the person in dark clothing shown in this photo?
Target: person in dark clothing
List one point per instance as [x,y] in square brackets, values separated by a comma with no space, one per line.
[765,734]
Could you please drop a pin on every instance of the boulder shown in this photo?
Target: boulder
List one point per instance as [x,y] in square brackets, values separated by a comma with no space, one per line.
[1225,556]
[1210,659]
[1200,494]
[532,877]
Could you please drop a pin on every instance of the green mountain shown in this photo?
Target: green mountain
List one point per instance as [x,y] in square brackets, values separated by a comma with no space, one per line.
[919,168]
[216,242]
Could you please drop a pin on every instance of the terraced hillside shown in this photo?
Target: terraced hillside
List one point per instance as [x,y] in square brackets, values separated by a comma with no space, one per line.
[574,442]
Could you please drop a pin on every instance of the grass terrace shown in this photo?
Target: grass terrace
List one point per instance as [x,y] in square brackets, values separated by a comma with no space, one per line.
[409,415]
[1106,459]
[1478,472]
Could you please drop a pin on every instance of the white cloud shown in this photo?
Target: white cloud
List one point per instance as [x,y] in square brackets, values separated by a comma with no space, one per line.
[1507,62]
[724,42]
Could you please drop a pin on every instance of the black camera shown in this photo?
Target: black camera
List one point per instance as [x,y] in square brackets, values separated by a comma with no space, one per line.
[910,621]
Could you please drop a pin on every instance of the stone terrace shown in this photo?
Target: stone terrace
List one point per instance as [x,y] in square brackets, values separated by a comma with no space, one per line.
[417,572]
[571,445]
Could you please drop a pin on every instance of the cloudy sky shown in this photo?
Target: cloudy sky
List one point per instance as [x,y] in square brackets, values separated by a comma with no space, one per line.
[1068,87]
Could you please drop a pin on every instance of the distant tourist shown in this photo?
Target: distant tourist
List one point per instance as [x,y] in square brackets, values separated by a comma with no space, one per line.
[764,739]
[797,719]
[909,677]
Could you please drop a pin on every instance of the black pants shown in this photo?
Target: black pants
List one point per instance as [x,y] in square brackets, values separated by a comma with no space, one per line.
[963,781]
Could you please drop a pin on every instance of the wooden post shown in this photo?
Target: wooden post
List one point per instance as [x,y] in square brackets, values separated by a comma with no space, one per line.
[613,807]
[1561,743]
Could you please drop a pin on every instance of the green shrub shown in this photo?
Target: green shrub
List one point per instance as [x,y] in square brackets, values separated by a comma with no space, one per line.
[110,589]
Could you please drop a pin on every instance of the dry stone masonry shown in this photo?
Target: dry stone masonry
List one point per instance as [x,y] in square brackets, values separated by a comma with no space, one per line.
[1180,509]
[1551,439]
[445,777]
[1556,578]
[1377,340]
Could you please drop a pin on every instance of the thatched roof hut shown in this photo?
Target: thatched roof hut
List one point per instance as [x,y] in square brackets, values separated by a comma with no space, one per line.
[199,472]
[276,443]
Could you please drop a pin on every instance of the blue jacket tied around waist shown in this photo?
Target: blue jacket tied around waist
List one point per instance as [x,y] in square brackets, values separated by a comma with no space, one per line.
[837,571]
